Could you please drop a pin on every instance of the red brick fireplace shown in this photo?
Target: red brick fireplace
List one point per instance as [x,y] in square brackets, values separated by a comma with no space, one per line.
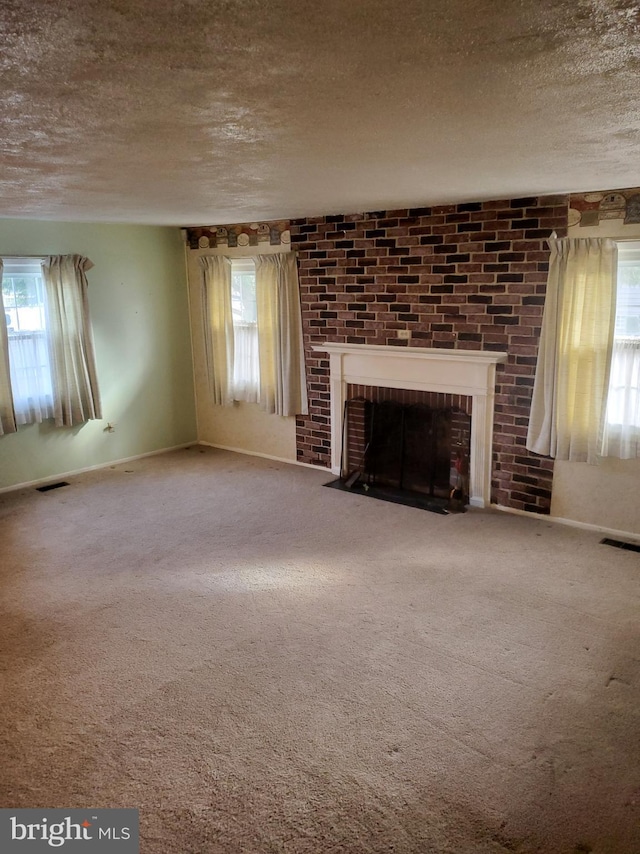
[469,276]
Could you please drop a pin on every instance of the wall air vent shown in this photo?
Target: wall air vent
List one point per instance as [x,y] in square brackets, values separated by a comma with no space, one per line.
[620,544]
[52,486]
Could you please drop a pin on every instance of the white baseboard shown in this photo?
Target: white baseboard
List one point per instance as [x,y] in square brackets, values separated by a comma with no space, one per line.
[572,523]
[265,456]
[54,477]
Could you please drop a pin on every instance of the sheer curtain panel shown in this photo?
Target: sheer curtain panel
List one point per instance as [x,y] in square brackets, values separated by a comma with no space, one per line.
[246,363]
[572,373]
[29,357]
[218,326]
[7,415]
[75,383]
[283,389]
[622,431]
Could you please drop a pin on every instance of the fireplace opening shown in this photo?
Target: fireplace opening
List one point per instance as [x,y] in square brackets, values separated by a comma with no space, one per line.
[407,446]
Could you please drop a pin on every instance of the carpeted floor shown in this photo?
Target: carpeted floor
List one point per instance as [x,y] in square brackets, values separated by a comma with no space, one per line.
[260,664]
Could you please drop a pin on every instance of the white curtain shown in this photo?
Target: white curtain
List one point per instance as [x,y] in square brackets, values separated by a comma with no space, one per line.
[622,423]
[246,363]
[29,357]
[218,326]
[572,373]
[75,383]
[7,414]
[283,389]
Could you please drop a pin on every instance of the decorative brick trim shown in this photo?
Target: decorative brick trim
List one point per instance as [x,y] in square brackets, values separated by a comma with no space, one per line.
[590,209]
[242,234]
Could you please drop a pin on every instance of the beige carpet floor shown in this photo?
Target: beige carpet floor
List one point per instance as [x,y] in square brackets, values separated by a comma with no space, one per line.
[260,664]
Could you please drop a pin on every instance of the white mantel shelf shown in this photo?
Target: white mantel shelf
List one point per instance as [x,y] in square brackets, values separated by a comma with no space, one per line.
[444,370]
[392,352]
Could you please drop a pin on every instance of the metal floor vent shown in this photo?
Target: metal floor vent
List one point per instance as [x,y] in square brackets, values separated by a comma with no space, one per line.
[620,544]
[52,486]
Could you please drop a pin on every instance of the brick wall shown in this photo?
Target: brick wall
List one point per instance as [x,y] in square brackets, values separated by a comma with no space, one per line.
[471,276]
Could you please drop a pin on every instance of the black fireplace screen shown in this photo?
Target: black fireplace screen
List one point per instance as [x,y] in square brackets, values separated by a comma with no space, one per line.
[412,447]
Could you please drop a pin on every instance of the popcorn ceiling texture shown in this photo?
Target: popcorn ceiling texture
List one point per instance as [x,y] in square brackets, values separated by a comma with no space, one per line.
[184,113]
[471,276]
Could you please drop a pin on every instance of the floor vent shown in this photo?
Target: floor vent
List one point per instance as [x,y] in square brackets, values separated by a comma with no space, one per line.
[52,486]
[620,544]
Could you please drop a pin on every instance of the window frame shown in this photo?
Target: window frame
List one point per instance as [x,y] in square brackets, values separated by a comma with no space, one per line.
[245,371]
[628,255]
[12,268]
[29,349]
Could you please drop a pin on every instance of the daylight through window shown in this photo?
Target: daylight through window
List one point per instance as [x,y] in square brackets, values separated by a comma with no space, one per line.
[623,403]
[24,300]
[246,361]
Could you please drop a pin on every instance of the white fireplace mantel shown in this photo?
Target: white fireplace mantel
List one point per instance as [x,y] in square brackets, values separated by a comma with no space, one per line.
[467,372]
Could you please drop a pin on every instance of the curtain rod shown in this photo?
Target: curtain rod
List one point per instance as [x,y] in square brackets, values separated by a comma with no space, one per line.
[554,236]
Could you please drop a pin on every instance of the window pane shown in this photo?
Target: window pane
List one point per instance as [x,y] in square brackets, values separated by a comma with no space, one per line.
[25,316]
[23,296]
[243,295]
[246,367]
[623,401]
[628,301]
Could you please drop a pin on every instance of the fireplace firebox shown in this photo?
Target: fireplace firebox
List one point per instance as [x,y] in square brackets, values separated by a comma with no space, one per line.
[407,447]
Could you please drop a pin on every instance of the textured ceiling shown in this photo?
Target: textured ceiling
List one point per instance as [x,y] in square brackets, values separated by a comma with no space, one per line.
[191,113]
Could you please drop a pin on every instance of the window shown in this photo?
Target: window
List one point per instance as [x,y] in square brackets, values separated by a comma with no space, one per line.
[628,298]
[253,331]
[47,365]
[623,402]
[25,312]
[246,362]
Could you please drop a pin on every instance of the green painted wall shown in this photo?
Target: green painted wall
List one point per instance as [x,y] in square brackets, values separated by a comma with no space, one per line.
[139,310]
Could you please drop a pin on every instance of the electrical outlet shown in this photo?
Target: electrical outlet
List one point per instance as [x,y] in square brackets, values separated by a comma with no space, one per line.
[404,334]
